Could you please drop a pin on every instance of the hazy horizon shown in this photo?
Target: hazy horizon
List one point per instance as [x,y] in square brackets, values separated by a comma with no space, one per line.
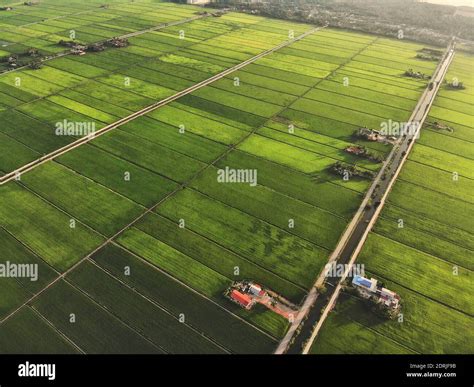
[451,2]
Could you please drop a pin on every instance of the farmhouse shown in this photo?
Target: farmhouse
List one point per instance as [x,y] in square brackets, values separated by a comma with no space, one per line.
[241,299]
[248,293]
[78,50]
[368,134]
[374,135]
[371,289]
[256,289]
[356,150]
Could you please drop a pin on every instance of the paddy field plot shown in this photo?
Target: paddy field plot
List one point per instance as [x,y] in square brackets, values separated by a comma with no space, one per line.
[147,238]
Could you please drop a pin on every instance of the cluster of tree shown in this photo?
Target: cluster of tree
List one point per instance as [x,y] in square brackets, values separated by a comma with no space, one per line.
[455,85]
[440,126]
[427,57]
[408,19]
[363,151]
[348,170]
[77,47]
[117,42]
[416,74]
[68,43]
[31,57]
[380,310]
[429,54]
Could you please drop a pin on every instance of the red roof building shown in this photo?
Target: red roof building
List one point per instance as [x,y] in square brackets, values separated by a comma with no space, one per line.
[241,298]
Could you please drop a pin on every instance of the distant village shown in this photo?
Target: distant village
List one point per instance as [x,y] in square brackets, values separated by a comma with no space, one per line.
[420,21]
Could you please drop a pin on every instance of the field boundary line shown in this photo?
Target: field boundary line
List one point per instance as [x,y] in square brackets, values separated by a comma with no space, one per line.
[445,134]
[420,294]
[217,244]
[132,162]
[358,99]
[311,151]
[450,109]
[109,312]
[98,183]
[449,196]
[294,170]
[34,190]
[286,166]
[394,61]
[469,159]
[198,135]
[201,116]
[62,210]
[317,207]
[292,233]
[407,83]
[427,232]
[28,167]
[308,139]
[28,248]
[56,329]
[359,75]
[382,80]
[362,325]
[378,91]
[188,287]
[456,138]
[97,78]
[342,107]
[49,6]
[157,304]
[130,91]
[420,215]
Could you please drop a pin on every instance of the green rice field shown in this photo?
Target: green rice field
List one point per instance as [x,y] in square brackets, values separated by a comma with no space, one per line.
[135,237]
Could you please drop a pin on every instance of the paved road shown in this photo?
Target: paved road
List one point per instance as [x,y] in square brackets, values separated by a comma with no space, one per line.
[83,140]
[316,308]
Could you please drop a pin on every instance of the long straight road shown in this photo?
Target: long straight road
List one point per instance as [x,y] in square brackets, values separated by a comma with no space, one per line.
[316,307]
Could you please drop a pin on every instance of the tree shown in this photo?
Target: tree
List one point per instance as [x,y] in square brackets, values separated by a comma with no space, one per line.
[35,65]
